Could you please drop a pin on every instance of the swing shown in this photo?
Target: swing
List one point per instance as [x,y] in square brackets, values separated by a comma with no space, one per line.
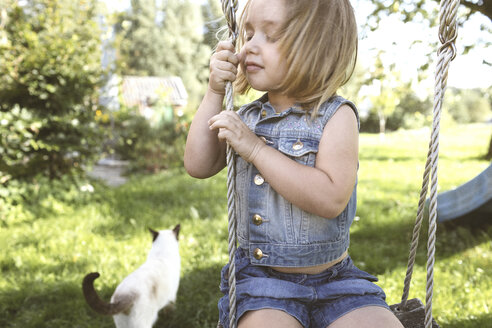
[411,313]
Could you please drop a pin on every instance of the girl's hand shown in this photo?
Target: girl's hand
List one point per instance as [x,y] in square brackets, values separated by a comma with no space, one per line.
[237,134]
[223,67]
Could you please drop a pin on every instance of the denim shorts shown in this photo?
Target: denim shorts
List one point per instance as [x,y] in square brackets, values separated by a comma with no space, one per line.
[315,300]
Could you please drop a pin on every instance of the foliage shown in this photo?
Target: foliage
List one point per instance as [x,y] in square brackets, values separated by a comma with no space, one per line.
[389,88]
[469,105]
[140,44]
[410,10]
[214,21]
[426,13]
[411,113]
[49,75]
[164,38]
[150,144]
[352,89]
[391,103]
[401,108]
[23,201]
[186,55]
[47,249]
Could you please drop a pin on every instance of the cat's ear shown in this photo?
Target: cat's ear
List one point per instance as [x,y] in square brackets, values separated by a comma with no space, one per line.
[154,233]
[176,230]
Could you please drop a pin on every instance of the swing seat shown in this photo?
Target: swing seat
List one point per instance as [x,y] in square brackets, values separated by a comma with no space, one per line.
[473,197]
[413,315]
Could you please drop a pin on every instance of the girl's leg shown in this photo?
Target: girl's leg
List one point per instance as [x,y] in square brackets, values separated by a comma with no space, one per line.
[368,317]
[268,318]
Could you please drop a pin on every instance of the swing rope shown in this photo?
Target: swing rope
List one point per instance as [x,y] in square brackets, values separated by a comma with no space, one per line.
[446,53]
[229,7]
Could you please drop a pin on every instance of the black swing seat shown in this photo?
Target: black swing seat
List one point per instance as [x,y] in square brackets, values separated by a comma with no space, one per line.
[413,315]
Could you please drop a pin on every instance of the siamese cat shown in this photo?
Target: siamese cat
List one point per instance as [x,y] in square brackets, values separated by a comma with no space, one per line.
[142,294]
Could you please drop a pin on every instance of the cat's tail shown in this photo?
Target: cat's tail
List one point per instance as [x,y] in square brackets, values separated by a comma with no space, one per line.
[96,303]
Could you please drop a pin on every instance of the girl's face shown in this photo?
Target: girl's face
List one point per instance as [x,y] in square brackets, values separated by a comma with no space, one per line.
[261,61]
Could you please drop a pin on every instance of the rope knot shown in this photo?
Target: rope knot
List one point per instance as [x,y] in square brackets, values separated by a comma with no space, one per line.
[448,27]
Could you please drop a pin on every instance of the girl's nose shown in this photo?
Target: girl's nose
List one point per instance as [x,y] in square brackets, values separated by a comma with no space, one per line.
[251,45]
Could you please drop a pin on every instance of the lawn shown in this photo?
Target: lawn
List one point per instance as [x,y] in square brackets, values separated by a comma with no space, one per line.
[51,243]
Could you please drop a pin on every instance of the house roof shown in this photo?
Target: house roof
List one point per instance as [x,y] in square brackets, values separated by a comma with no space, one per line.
[139,89]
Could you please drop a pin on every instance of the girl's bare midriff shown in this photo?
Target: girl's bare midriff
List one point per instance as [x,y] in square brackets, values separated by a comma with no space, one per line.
[311,269]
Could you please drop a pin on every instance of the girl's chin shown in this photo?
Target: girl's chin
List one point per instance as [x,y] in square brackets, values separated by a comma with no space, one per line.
[257,86]
[263,88]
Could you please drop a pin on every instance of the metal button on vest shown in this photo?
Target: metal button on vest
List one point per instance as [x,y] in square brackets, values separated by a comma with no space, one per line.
[297,146]
[259,180]
[263,113]
[257,219]
[257,253]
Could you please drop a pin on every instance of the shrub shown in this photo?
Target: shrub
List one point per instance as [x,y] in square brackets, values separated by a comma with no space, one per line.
[150,144]
[22,201]
[49,78]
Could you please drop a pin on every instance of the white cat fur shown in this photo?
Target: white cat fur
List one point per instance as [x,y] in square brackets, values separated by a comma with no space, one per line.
[142,294]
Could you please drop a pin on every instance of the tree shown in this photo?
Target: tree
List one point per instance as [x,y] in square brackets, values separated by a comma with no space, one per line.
[49,77]
[186,54]
[411,10]
[468,105]
[140,42]
[383,89]
[488,155]
[214,20]
[164,38]
[419,10]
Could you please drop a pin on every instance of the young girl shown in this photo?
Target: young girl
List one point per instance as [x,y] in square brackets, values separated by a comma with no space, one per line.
[296,167]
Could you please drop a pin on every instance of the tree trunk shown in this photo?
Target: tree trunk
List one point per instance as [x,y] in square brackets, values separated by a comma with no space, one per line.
[484,7]
[489,152]
[382,125]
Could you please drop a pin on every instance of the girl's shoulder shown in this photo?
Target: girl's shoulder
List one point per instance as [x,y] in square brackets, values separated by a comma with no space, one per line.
[332,105]
[249,112]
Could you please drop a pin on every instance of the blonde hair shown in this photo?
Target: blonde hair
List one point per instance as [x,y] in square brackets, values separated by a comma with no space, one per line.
[318,40]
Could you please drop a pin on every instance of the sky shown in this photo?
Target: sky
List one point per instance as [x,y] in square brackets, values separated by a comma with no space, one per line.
[395,39]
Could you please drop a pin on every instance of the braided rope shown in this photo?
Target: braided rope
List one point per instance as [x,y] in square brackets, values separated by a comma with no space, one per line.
[229,7]
[446,53]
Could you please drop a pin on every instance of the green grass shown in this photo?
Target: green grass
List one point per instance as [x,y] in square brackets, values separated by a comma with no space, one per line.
[50,245]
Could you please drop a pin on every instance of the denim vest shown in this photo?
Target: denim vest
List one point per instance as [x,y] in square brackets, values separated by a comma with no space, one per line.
[272,230]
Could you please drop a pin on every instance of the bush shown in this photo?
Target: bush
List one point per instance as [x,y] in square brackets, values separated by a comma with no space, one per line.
[469,105]
[39,197]
[150,144]
[49,78]
[411,113]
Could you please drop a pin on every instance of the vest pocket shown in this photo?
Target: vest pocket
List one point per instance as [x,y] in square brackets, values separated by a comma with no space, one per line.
[302,150]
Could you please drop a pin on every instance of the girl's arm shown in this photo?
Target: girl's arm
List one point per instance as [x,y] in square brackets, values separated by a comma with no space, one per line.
[204,153]
[323,190]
